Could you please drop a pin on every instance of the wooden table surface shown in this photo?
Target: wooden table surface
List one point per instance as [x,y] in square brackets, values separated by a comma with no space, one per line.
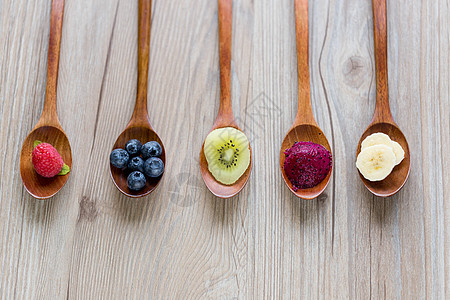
[90,242]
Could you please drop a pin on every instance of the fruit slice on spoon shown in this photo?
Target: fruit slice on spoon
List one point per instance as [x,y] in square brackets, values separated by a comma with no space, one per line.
[380,138]
[307,164]
[376,162]
[227,153]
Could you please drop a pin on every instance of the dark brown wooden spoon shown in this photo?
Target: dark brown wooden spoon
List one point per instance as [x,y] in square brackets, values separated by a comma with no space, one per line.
[48,129]
[225,117]
[139,126]
[305,127]
[382,120]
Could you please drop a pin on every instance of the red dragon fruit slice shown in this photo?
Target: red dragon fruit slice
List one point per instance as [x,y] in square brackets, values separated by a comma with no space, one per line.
[307,164]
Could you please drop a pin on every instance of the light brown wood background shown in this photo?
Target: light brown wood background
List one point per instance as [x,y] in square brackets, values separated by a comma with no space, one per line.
[90,242]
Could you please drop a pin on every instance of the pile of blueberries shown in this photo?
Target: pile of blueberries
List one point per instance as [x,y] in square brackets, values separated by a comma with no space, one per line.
[130,160]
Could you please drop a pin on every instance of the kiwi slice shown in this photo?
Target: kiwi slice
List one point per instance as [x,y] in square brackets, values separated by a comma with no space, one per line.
[227,153]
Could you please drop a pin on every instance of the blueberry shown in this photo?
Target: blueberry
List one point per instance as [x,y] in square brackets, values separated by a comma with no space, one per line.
[133,147]
[119,158]
[151,149]
[153,167]
[136,181]
[136,164]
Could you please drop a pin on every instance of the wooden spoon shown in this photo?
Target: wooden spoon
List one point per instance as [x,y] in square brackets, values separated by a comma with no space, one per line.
[225,117]
[382,120]
[305,127]
[139,126]
[48,129]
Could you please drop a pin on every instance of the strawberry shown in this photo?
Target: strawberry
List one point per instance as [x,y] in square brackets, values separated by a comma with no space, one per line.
[46,160]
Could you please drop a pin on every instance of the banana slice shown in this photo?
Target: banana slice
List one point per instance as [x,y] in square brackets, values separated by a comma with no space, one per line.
[378,138]
[376,162]
[398,151]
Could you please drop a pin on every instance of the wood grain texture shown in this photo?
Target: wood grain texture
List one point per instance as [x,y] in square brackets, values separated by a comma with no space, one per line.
[91,242]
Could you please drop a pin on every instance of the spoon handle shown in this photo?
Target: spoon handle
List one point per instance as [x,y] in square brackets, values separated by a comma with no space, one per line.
[304,112]
[382,109]
[225,35]
[140,114]
[49,114]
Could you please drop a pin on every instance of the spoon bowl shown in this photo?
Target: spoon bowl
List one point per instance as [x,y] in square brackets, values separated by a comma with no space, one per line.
[395,181]
[48,129]
[308,133]
[218,189]
[119,177]
[38,186]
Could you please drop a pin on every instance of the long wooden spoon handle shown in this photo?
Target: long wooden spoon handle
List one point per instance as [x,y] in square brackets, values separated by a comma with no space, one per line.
[225,36]
[49,114]
[304,112]
[382,110]
[140,108]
